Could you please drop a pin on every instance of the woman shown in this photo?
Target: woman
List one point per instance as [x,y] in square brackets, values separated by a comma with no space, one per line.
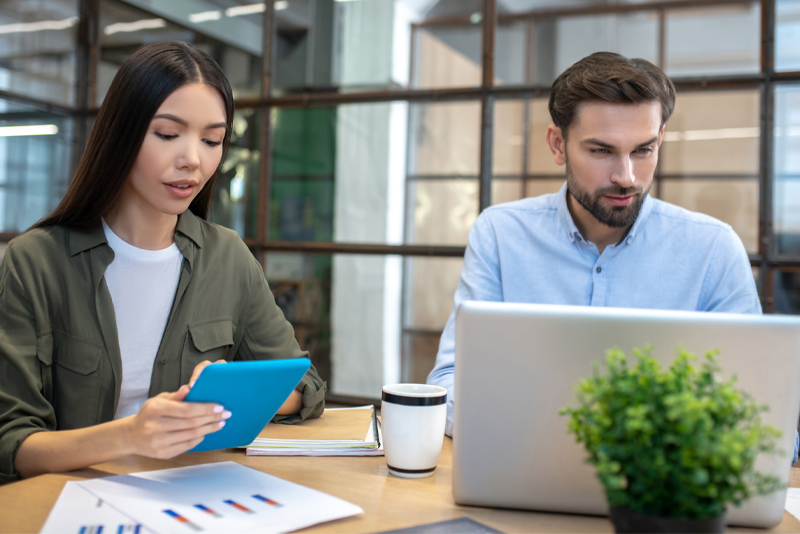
[112,305]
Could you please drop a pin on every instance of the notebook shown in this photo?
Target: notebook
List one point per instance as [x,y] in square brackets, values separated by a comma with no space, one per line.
[338,432]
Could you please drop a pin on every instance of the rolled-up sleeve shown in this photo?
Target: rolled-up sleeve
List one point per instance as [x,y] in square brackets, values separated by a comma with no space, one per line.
[269,336]
[24,365]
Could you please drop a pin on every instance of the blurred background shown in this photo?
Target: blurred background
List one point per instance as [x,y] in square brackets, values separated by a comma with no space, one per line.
[369,134]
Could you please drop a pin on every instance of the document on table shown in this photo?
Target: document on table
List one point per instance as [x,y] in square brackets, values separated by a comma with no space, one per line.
[218,497]
[78,511]
[793,502]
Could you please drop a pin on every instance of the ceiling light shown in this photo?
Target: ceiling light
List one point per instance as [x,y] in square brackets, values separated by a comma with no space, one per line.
[39,26]
[246,10]
[204,16]
[148,24]
[280,5]
[34,129]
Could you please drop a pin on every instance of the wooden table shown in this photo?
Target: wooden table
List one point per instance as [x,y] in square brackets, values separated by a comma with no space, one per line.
[388,502]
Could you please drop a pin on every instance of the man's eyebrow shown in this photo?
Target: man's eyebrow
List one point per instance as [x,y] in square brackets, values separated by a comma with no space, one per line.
[650,142]
[598,142]
[603,144]
[174,118]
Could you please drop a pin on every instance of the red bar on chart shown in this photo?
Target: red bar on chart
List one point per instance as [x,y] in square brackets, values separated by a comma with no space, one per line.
[268,501]
[183,520]
[240,507]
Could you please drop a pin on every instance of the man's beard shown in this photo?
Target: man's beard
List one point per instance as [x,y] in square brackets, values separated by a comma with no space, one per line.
[614,216]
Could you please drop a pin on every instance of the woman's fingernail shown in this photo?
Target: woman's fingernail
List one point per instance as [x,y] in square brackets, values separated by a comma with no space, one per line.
[191,384]
[227,414]
[218,408]
[221,424]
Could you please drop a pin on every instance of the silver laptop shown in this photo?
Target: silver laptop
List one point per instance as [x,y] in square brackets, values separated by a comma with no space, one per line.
[517,365]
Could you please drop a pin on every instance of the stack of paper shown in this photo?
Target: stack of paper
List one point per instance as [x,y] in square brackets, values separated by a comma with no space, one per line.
[218,497]
[338,432]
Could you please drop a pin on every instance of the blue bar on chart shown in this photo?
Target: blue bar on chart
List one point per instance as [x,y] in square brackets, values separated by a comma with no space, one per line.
[183,520]
[268,501]
[207,510]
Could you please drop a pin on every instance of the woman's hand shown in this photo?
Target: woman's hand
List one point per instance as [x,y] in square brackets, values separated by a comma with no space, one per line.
[199,369]
[166,426]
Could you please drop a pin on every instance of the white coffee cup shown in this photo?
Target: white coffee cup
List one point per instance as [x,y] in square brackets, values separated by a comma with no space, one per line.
[413,418]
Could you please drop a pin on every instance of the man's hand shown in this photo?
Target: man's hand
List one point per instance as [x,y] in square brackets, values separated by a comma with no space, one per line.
[166,426]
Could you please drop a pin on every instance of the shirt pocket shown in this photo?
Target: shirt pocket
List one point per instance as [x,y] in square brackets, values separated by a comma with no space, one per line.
[206,340]
[77,380]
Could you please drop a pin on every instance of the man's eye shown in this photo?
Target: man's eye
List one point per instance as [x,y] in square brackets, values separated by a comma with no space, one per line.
[165,137]
[600,151]
[645,150]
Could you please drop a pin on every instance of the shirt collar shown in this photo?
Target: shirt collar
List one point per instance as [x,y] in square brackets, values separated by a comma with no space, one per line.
[188,228]
[568,224]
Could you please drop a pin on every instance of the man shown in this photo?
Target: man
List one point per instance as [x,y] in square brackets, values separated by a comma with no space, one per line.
[602,240]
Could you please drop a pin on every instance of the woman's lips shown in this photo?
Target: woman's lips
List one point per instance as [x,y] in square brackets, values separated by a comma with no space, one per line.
[179,192]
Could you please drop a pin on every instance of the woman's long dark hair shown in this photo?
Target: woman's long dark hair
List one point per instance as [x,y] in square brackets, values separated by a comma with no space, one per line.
[141,85]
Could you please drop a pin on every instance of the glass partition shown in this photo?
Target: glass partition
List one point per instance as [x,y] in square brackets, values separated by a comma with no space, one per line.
[38,49]
[787,35]
[430,284]
[35,163]
[713,41]
[786,137]
[235,201]
[232,37]
[709,159]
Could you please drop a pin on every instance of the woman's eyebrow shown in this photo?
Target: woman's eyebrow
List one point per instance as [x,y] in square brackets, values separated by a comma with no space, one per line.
[174,118]
[171,117]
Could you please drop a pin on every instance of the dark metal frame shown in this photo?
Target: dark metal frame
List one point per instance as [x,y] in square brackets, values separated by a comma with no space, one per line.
[487,93]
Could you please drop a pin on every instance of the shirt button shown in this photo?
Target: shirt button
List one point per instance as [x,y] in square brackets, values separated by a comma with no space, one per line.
[163,359]
[599,269]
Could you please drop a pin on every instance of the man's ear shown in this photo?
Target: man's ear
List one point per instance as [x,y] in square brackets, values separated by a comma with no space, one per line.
[557,144]
[661,135]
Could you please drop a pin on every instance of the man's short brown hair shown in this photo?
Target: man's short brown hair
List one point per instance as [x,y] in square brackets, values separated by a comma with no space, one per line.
[609,77]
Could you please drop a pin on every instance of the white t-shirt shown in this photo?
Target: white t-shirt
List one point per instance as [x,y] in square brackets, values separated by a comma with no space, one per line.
[142,284]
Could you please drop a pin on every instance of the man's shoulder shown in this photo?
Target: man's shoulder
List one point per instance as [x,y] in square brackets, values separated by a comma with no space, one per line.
[675,217]
[542,205]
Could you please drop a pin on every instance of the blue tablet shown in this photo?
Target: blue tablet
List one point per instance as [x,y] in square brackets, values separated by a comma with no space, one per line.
[253,391]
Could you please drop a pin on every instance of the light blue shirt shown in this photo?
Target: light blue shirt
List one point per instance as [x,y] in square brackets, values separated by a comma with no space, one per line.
[531,251]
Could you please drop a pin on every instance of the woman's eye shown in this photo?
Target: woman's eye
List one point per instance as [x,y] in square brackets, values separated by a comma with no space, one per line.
[212,143]
[165,137]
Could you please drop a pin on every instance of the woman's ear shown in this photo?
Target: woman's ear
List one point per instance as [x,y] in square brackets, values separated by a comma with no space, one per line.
[557,144]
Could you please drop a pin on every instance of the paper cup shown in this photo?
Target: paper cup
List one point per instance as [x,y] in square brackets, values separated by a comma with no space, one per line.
[413,418]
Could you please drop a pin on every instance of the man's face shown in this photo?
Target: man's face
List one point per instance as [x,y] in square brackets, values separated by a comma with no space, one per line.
[611,153]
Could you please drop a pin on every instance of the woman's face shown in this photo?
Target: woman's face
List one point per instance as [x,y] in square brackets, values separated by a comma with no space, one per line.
[181,150]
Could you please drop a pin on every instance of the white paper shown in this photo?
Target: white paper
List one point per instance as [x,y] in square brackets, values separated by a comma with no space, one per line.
[78,511]
[218,497]
[793,502]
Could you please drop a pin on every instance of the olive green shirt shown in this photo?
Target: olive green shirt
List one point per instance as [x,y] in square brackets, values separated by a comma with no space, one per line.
[60,364]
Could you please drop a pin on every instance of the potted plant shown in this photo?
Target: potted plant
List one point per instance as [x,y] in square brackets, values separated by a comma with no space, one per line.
[671,447]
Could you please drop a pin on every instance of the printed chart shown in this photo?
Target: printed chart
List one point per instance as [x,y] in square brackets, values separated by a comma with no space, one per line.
[217,497]
[79,512]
